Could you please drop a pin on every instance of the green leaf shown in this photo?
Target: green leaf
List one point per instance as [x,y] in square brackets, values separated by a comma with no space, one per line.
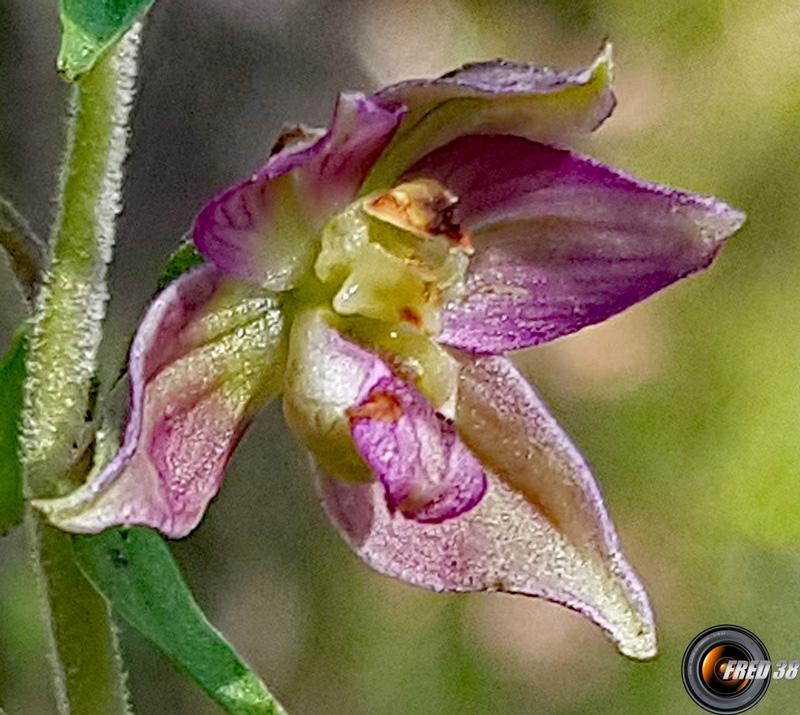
[23,248]
[90,27]
[135,571]
[12,378]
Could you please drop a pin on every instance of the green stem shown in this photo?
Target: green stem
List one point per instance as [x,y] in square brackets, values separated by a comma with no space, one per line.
[65,336]
[71,304]
[84,650]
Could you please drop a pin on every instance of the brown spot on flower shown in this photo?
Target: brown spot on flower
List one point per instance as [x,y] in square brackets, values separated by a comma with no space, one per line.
[409,315]
[387,205]
[445,225]
[423,207]
[385,406]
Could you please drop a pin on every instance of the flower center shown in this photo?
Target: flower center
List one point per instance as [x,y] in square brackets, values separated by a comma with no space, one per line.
[396,256]
[387,266]
[422,207]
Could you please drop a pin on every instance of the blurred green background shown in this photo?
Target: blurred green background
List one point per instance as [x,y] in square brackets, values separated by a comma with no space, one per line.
[688,406]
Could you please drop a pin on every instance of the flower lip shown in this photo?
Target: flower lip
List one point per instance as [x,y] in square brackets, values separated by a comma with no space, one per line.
[427,471]
[540,528]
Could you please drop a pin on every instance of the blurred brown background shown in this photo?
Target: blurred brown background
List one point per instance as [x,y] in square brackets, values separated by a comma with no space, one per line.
[688,406]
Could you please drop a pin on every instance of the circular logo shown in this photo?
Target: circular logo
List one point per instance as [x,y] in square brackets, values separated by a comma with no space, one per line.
[726,670]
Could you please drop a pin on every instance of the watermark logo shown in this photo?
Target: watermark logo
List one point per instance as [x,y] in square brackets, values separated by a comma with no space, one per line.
[726,670]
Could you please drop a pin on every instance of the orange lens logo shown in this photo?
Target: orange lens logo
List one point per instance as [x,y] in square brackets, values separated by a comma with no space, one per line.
[726,670]
[715,664]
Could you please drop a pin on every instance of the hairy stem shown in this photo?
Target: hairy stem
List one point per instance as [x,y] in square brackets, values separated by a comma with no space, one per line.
[84,651]
[65,336]
[71,304]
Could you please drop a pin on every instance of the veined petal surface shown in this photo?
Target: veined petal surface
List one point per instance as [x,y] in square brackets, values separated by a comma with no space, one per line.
[208,353]
[263,229]
[541,529]
[427,471]
[495,97]
[362,422]
[562,241]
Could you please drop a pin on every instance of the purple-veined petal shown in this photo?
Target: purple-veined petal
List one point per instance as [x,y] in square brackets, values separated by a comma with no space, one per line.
[263,229]
[244,231]
[361,129]
[427,471]
[495,97]
[541,529]
[562,241]
[326,374]
[206,355]
[361,421]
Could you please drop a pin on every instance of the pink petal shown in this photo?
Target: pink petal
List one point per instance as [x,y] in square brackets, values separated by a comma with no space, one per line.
[361,129]
[500,79]
[426,469]
[360,421]
[540,530]
[563,241]
[203,360]
[494,97]
[263,229]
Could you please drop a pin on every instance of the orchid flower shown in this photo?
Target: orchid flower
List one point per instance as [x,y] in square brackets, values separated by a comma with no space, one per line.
[376,273]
